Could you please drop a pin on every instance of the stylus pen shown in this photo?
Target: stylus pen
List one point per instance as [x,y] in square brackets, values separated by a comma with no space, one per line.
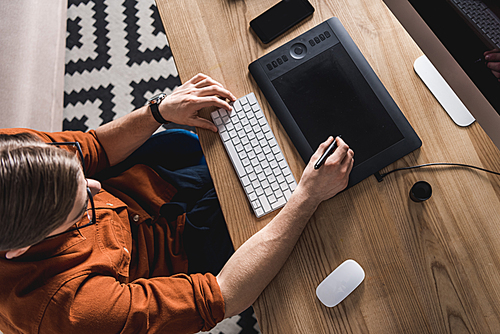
[327,153]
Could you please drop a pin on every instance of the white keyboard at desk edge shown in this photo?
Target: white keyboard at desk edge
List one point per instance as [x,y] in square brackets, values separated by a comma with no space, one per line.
[256,156]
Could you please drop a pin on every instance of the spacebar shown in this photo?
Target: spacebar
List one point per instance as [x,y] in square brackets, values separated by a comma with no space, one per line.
[235,159]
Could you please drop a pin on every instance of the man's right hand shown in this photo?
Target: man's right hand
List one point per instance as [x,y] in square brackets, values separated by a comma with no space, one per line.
[258,260]
[321,184]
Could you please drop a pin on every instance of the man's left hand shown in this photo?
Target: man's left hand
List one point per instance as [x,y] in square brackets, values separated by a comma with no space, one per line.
[201,91]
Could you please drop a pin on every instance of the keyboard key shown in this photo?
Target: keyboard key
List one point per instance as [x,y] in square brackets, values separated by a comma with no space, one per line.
[271,199]
[224,136]
[245,181]
[265,204]
[234,158]
[279,203]
[252,99]
[237,105]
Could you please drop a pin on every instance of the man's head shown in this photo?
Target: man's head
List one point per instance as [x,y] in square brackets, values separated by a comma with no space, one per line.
[39,187]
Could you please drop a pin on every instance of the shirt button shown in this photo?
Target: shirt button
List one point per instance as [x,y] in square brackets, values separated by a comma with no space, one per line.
[136,218]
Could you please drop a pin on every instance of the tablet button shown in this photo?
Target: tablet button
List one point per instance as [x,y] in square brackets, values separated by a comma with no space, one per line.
[311,42]
[298,51]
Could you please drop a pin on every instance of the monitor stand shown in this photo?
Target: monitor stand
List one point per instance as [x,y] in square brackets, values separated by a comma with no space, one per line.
[442,92]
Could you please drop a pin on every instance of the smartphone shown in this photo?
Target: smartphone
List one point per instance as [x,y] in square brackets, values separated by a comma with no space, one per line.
[279,18]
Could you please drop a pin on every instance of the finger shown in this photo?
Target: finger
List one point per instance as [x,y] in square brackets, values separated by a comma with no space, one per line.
[204,124]
[197,78]
[492,57]
[350,166]
[348,161]
[491,51]
[208,81]
[340,152]
[495,66]
[348,157]
[211,101]
[216,90]
[321,149]
[211,83]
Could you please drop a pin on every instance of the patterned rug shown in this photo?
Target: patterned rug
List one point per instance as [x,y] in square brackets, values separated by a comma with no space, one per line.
[117,56]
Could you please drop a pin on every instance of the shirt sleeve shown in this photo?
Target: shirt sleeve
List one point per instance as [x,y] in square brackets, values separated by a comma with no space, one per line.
[100,304]
[94,154]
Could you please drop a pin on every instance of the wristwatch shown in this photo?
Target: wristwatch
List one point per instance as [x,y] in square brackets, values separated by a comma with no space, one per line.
[153,104]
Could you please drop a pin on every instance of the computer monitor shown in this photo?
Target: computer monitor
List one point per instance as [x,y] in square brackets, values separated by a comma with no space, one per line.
[455,46]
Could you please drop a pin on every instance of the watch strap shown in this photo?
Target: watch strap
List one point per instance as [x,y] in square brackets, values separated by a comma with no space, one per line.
[156,114]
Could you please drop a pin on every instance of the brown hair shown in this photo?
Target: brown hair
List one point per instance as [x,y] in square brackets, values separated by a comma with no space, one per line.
[38,186]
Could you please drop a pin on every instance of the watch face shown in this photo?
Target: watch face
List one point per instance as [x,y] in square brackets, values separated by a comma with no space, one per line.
[157,98]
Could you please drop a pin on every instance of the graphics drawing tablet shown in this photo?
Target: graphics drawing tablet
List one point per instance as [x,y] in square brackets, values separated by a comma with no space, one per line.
[319,85]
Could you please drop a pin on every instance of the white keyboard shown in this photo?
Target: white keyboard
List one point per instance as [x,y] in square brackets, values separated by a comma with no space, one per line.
[255,154]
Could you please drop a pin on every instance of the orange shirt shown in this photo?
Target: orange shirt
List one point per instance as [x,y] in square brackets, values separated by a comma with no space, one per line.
[123,275]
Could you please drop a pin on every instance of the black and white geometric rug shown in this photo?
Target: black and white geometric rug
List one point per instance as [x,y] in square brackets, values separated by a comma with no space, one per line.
[117,56]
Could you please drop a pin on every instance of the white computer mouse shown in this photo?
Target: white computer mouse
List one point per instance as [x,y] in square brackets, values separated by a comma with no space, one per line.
[340,283]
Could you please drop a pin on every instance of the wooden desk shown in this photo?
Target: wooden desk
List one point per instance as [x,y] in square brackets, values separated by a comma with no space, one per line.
[432,267]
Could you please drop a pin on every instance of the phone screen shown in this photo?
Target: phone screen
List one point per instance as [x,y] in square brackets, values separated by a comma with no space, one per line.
[279,18]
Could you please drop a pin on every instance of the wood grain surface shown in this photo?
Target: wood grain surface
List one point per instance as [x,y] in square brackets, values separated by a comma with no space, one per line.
[431,267]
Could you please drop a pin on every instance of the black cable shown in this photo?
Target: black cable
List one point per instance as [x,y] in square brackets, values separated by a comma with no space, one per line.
[380,177]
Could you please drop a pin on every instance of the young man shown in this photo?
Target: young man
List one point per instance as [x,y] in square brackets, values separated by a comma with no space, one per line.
[78,258]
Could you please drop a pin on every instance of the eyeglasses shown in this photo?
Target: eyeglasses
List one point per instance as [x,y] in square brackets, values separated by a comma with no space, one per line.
[90,215]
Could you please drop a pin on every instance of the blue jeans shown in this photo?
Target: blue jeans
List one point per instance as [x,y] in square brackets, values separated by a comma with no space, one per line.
[177,157]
